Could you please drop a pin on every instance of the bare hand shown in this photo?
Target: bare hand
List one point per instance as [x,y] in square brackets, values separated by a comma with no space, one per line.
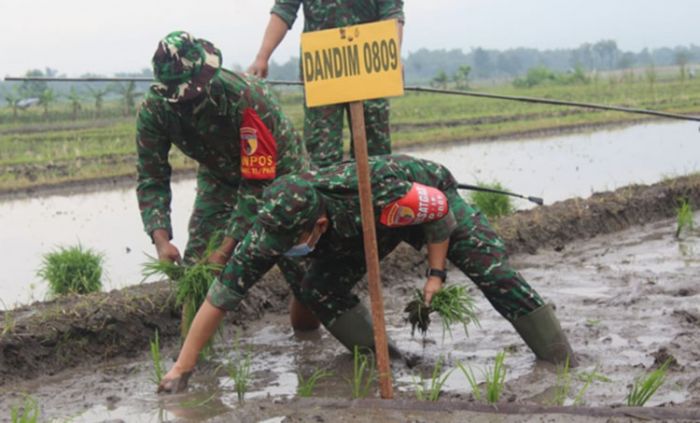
[175,381]
[259,68]
[433,285]
[167,251]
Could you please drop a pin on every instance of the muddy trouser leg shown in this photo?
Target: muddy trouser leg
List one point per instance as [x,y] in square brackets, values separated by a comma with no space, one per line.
[327,291]
[480,253]
[323,134]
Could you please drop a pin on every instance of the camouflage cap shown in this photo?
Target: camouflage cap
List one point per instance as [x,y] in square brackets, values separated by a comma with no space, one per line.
[291,207]
[183,66]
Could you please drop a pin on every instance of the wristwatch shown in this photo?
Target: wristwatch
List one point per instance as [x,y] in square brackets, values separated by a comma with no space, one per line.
[436,272]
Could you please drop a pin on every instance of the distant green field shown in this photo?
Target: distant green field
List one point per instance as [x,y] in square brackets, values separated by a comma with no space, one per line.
[37,149]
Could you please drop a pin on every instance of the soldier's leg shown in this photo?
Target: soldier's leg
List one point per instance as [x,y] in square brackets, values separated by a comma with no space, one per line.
[323,134]
[480,253]
[327,291]
[301,317]
[212,209]
[377,125]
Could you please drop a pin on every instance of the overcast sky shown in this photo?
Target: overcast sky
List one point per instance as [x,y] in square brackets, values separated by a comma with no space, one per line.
[79,36]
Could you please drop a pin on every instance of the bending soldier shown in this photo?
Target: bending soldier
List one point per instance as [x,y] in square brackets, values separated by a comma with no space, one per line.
[318,213]
[231,126]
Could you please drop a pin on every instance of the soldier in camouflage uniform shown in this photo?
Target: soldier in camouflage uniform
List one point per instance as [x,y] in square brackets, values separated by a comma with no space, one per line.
[318,213]
[323,126]
[227,122]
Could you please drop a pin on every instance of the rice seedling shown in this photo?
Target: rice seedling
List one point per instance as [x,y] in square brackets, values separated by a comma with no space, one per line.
[363,373]
[238,369]
[437,380]
[72,270]
[191,281]
[588,379]
[9,321]
[645,387]
[684,217]
[496,379]
[305,386]
[469,374]
[563,384]
[28,412]
[492,205]
[453,304]
[158,368]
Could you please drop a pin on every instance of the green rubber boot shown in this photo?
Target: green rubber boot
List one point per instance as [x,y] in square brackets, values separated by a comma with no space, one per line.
[354,327]
[542,333]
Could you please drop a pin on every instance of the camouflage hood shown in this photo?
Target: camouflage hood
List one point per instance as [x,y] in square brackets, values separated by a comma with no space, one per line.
[183,66]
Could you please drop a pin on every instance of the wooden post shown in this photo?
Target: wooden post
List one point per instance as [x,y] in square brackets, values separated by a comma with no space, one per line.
[359,136]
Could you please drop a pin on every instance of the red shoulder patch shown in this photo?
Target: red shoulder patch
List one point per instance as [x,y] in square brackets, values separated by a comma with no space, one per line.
[420,205]
[258,148]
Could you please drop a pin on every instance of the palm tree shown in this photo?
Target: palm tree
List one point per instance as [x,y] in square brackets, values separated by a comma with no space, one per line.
[129,94]
[45,99]
[98,94]
[461,77]
[75,98]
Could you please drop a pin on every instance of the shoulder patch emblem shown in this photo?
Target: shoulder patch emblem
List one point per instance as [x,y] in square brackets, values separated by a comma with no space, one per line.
[420,205]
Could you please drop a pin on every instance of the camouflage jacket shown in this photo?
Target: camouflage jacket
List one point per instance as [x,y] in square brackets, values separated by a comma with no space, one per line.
[392,177]
[325,14]
[213,134]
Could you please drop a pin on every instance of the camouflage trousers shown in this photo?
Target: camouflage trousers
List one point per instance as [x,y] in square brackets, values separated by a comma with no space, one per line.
[323,131]
[475,249]
[214,205]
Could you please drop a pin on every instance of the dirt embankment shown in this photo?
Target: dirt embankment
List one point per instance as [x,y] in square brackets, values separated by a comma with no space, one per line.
[44,338]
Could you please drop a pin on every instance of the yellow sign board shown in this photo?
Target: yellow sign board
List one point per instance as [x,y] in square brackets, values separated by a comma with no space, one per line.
[354,63]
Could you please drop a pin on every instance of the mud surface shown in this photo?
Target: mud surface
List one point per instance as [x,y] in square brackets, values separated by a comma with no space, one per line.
[628,300]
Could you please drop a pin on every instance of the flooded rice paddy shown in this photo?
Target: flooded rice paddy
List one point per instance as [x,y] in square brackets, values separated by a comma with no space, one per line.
[626,300]
[555,168]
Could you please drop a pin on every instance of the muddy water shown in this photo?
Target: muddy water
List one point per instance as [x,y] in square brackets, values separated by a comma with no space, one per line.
[554,168]
[625,300]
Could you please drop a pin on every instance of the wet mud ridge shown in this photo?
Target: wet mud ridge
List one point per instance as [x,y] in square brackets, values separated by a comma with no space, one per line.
[44,338]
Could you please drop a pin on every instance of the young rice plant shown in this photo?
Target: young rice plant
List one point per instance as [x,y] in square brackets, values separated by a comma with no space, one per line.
[28,412]
[72,270]
[496,379]
[305,387]
[158,368]
[684,217]
[492,205]
[437,380]
[646,386]
[363,373]
[238,369]
[453,304]
[469,374]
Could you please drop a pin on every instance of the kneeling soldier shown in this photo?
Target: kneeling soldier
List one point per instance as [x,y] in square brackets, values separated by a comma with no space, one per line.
[317,214]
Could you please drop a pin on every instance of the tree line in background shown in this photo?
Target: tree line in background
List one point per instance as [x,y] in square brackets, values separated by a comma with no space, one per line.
[525,67]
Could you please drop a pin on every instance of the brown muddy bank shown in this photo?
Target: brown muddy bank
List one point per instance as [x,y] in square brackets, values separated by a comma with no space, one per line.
[44,338]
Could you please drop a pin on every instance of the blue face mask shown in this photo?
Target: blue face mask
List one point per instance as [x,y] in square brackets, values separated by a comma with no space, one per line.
[301,249]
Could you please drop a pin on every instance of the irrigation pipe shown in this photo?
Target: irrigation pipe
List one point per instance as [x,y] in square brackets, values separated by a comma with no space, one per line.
[524,99]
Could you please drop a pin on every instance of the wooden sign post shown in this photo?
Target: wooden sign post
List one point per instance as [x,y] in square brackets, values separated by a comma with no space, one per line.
[349,65]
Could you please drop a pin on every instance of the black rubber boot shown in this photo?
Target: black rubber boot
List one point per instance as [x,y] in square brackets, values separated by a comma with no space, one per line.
[542,333]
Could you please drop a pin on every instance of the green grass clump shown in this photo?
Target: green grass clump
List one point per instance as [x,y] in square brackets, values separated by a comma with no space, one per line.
[72,270]
[492,205]
[684,217]
[563,385]
[28,412]
[238,369]
[453,304]
[363,373]
[645,387]
[496,379]
[305,386]
[158,368]
[437,380]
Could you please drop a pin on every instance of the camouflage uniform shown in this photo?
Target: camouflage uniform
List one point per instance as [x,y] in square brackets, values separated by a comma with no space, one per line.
[210,129]
[323,126]
[292,205]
